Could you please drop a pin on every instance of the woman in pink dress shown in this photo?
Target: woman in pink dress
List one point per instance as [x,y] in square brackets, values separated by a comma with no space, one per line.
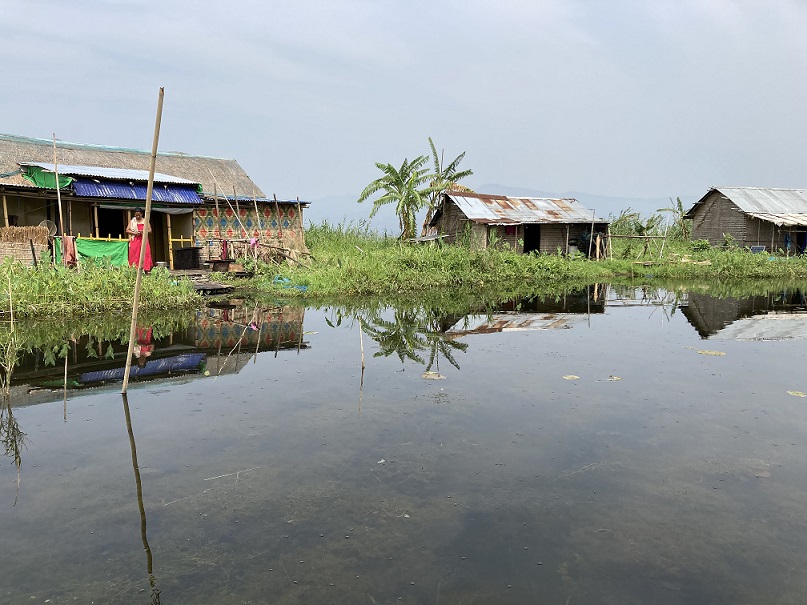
[135,231]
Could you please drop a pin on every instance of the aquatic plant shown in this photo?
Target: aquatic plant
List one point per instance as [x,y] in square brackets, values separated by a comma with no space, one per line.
[59,291]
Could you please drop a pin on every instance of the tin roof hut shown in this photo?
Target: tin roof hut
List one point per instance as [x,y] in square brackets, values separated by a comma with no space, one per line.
[753,217]
[523,224]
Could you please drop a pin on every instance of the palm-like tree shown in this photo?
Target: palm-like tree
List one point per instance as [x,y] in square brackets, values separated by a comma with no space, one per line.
[405,187]
[442,179]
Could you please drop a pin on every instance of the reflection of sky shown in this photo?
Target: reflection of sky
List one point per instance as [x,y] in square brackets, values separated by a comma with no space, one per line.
[607,480]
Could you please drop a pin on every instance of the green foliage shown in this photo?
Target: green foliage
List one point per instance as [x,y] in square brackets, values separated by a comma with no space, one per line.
[351,261]
[442,179]
[700,245]
[59,291]
[681,227]
[405,187]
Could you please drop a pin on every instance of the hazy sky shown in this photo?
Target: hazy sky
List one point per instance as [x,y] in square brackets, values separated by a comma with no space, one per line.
[652,98]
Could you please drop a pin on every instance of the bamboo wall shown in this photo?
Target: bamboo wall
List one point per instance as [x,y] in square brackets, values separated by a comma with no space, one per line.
[279,225]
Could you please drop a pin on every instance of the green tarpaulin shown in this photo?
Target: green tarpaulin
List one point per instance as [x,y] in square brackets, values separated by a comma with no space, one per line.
[114,252]
[44,179]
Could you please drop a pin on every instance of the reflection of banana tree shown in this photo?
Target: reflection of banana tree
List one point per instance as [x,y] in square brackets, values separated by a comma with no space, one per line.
[409,333]
[402,335]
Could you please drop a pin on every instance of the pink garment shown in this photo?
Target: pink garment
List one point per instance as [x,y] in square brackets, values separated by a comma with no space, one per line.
[134,250]
[69,250]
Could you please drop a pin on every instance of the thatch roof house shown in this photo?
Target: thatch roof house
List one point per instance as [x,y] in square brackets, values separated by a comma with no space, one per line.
[753,216]
[198,201]
[521,223]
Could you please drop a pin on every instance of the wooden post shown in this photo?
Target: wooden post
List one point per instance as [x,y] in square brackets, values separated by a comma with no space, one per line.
[95,215]
[139,278]
[591,238]
[5,209]
[170,241]
[567,239]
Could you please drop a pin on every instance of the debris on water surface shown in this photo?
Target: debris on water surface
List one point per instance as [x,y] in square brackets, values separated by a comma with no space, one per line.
[429,375]
[707,352]
[797,394]
[382,461]
[571,377]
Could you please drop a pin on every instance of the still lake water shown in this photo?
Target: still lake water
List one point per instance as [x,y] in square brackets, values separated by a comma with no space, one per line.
[643,450]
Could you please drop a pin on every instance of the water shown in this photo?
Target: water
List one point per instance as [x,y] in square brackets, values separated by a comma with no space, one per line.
[662,473]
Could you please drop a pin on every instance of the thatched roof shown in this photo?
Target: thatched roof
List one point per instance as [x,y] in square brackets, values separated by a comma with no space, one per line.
[207,171]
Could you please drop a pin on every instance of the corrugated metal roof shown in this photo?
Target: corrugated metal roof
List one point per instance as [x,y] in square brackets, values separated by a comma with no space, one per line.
[783,220]
[162,192]
[779,206]
[503,210]
[121,174]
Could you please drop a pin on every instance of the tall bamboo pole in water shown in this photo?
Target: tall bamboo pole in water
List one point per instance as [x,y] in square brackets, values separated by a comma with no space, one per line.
[144,242]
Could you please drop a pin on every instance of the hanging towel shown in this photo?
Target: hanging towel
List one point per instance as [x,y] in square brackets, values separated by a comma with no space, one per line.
[69,243]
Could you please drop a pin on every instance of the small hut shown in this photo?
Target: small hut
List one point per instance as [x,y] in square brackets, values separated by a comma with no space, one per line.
[758,217]
[524,224]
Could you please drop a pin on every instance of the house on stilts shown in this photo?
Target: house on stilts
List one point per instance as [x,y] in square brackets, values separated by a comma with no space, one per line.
[203,208]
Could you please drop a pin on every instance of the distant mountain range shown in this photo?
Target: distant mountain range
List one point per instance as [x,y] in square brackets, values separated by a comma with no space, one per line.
[344,209]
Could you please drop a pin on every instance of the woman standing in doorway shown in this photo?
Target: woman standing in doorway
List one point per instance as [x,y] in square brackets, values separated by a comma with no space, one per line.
[135,231]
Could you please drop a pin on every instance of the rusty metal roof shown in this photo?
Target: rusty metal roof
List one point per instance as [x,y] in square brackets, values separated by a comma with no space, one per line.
[784,207]
[503,210]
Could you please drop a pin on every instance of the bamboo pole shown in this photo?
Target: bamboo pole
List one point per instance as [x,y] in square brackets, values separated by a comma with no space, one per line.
[170,241]
[591,238]
[144,243]
[5,209]
[238,213]
[277,212]
[58,191]
[218,216]
[95,214]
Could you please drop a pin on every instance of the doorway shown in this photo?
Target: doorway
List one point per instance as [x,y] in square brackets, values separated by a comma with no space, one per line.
[532,238]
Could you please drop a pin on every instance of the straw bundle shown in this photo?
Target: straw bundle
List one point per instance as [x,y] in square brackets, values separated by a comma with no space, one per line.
[23,234]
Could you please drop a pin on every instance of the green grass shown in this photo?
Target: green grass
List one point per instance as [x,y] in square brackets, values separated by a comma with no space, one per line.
[56,291]
[350,261]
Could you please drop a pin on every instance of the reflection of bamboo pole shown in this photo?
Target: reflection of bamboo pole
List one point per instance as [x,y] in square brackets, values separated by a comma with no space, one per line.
[361,344]
[64,403]
[140,506]
[144,242]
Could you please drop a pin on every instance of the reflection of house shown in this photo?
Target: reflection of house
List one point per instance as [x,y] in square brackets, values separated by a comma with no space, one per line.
[218,341]
[776,316]
[524,224]
[539,313]
[197,201]
[753,216]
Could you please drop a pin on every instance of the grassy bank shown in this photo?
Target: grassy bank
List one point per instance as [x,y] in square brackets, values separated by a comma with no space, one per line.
[348,261]
[57,292]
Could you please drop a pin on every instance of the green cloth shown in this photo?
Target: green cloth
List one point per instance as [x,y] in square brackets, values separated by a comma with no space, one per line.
[44,179]
[114,252]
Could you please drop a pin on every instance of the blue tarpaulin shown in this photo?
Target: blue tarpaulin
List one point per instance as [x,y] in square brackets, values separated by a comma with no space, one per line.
[186,362]
[163,192]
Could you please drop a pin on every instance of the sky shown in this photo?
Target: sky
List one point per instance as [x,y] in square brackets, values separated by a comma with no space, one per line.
[629,99]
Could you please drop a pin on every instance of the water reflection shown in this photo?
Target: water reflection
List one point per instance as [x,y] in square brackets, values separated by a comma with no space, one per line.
[209,342]
[155,592]
[778,315]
